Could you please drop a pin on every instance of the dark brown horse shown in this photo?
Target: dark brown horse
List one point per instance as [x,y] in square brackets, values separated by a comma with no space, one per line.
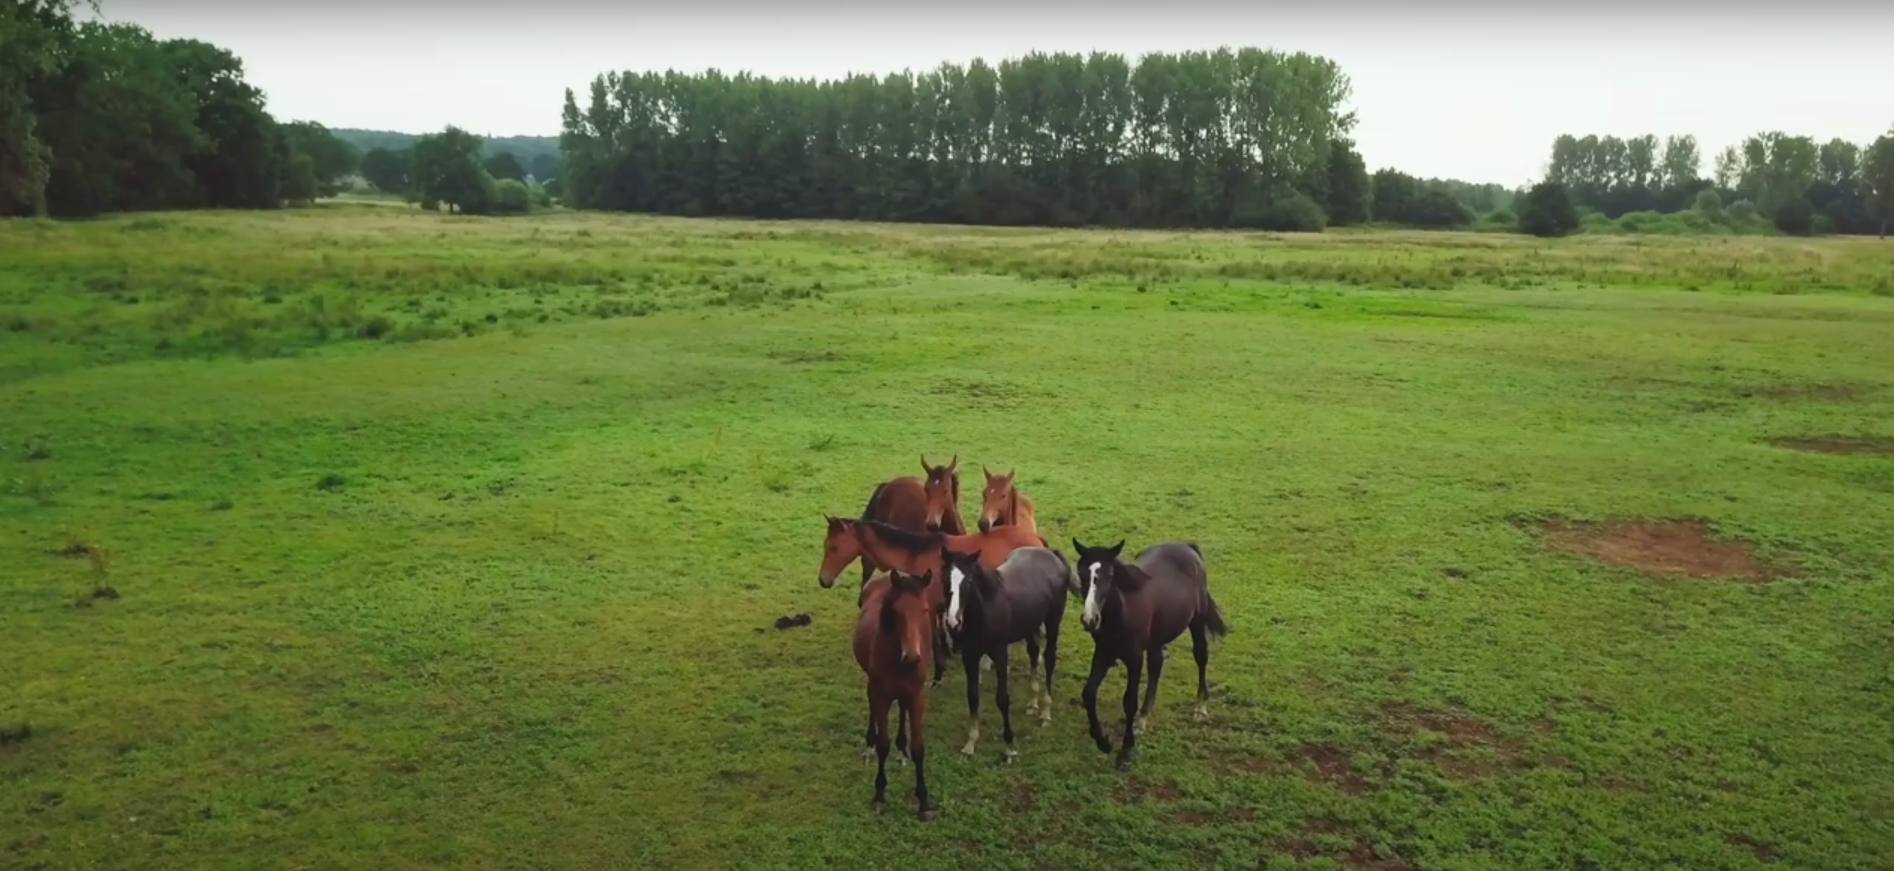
[1133,610]
[915,504]
[893,648]
[991,609]
[1001,503]
[914,553]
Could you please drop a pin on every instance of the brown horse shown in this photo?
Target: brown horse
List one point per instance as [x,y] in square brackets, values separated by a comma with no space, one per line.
[1002,504]
[1133,610]
[915,553]
[943,498]
[914,504]
[892,646]
[991,609]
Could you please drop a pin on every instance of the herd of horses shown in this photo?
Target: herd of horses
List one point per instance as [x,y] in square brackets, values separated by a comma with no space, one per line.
[930,590]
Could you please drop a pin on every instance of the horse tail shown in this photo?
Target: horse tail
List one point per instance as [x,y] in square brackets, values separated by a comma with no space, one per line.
[1213,617]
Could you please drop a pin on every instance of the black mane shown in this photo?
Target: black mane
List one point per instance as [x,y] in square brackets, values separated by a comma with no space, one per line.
[912,542]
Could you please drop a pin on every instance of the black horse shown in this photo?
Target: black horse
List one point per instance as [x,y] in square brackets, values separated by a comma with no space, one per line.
[1133,610]
[989,610]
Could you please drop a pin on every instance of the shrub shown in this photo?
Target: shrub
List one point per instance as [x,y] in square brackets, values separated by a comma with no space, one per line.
[511,197]
[1295,213]
[1437,208]
[1709,203]
[1795,217]
[1548,211]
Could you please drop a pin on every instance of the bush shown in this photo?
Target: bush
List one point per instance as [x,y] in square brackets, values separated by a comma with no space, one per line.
[1795,217]
[1437,208]
[1503,217]
[511,197]
[1742,210]
[1547,211]
[1709,203]
[1295,213]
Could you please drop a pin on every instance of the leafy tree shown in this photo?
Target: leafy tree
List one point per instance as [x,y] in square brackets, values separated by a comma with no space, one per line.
[1436,208]
[544,167]
[387,170]
[1347,202]
[511,197]
[446,169]
[1877,175]
[1548,210]
[242,164]
[1709,204]
[506,166]
[33,34]
[330,157]
[300,184]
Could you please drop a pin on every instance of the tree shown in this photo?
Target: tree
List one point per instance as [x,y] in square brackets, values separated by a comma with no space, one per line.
[446,169]
[32,33]
[1548,210]
[544,167]
[241,166]
[1347,202]
[300,184]
[387,170]
[330,158]
[1877,175]
[505,165]
[1795,217]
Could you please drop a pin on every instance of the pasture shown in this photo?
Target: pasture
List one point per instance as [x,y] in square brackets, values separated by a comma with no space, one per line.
[357,537]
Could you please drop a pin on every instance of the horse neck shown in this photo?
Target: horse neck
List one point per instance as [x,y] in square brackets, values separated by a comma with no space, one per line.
[891,555]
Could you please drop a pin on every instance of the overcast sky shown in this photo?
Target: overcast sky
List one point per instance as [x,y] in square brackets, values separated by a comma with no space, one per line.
[1469,90]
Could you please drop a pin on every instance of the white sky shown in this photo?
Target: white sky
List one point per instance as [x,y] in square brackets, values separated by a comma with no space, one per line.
[1470,90]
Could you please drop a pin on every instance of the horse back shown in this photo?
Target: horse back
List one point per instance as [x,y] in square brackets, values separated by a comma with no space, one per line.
[899,502]
[1178,584]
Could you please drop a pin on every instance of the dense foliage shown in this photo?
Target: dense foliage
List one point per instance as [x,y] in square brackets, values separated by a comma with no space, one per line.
[102,117]
[1205,139]
[1802,186]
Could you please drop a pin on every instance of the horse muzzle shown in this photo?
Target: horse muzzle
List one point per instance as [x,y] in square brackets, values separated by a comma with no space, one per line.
[986,525]
[826,581]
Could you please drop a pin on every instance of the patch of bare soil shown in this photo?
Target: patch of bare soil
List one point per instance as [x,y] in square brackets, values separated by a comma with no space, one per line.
[1326,763]
[1135,790]
[1750,845]
[1672,548]
[1461,732]
[1838,444]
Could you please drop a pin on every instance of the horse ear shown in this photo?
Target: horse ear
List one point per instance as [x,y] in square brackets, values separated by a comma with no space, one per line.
[1078,545]
[924,466]
[1118,548]
[1011,472]
[927,577]
[983,471]
[953,463]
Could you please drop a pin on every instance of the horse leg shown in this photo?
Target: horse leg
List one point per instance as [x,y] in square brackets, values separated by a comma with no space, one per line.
[971,657]
[917,711]
[1005,701]
[878,714]
[901,732]
[1032,673]
[1154,660]
[1101,666]
[868,751]
[943,651]
[1200,648]
[1134,665]
[1051,662]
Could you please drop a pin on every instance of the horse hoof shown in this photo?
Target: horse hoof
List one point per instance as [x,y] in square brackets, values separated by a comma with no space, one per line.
[929,814]
[1202,715]
[1104,746]
[1011,756]
[967,750]
[878,805]
[1124,763]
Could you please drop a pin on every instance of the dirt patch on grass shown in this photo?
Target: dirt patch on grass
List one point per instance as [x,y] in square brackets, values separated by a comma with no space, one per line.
[1669,548]
[1137,789]
[1308,843]
[1882,446]
[1753,847]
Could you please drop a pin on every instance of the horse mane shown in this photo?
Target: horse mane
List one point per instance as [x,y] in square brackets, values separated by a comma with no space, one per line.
[1128,576]
[910,541]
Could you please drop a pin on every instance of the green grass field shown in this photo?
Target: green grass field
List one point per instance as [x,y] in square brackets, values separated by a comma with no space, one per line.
[444,542]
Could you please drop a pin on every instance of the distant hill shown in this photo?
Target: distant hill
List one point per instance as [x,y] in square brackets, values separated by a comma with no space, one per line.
[526,148]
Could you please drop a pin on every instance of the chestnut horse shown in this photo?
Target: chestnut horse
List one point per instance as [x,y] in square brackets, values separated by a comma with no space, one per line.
[915,553]
[1002,504]
[915,504]
[1133,610]
[892,646]
[991,609]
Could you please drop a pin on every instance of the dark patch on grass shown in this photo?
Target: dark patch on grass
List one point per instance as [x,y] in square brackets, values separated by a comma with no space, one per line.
[222,505]
[18,734]
[1763,852]
[1451,572]
[331,482]
[1838,444]
[104,591]
[796,356]
[1138,789]
[1812,392]
[787,622]
[1460,732]
[1684,547]
[1329,764]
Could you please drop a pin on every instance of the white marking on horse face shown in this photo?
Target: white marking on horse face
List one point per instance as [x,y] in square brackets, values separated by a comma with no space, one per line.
[1089,617]
[954,577]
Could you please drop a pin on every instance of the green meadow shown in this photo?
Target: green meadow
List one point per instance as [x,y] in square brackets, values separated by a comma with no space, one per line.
[357,537]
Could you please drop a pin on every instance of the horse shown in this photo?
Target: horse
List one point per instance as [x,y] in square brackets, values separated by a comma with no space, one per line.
[915,553]
[943,497]
[1003,505]
[990,609]
[914,504]
[892,647]
[1132,611]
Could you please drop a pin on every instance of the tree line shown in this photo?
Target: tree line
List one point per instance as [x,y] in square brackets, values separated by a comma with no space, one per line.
[1794,182]
[1226,138]
[104,117]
